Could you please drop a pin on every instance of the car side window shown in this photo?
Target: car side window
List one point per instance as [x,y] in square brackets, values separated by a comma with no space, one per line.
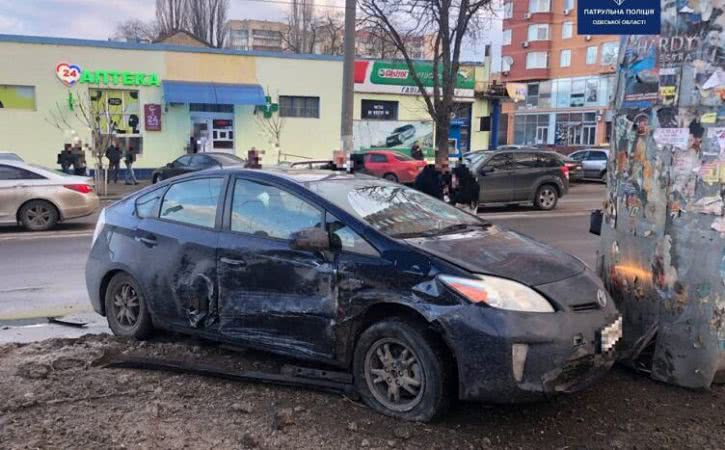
[498,162]
[147,205]
[597,156]
[378,158]
[550,161]
[267,211]
[16,173]
[183,161]
[347,239]
[193,202]
[525,161]
[580,156]
[201,161]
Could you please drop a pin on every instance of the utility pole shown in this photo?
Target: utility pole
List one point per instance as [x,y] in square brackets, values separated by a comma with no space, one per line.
[348,84]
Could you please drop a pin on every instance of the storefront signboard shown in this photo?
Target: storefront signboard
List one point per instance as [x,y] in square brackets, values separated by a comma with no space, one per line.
[70,74]
[152,117]
[396,78]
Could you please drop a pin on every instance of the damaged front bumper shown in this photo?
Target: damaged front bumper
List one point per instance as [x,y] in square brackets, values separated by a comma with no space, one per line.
[506,356]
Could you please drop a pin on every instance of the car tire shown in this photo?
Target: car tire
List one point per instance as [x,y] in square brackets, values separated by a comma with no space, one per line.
[393,355]
[603,178]
[391,177]
[38,215]
[126,309]
[546,197]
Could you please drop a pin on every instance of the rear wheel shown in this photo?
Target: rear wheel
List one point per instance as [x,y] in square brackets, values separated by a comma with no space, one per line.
[38,215]
[126,310]
[391,177]
[546,197]
[400,371]
[603,178]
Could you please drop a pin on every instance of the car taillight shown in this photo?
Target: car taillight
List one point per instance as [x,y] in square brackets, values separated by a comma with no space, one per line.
[565,171]
[82,188]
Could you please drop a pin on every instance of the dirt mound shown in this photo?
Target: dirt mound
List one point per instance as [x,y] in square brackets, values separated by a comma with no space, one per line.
[53,396]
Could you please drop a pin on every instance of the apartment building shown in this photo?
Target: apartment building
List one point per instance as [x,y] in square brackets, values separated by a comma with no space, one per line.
[255,35]
[568,78]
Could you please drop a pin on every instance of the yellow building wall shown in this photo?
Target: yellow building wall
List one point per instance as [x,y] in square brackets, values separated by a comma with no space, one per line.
[28,133]
[210,68]
[309,137]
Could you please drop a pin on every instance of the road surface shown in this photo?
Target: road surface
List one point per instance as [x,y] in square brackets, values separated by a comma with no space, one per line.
[42,273]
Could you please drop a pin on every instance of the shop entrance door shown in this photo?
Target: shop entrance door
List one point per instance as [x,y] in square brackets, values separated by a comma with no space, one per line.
[213,132]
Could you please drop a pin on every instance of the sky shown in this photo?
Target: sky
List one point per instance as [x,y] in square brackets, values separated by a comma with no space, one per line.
[97,19]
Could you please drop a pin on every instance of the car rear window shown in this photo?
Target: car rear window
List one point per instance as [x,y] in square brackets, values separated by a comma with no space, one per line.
[402,157]
[378,158]
[193,202]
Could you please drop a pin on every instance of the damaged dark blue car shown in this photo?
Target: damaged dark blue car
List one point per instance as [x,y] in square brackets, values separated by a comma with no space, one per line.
[420,302]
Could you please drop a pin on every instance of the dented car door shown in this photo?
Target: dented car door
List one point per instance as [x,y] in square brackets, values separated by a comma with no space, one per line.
[178,247]
[273,296]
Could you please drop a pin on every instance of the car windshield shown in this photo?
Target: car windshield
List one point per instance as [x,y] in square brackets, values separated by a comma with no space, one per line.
[228,160]
[394,210]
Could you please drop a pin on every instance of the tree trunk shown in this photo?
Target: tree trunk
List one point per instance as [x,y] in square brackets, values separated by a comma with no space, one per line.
[442,144]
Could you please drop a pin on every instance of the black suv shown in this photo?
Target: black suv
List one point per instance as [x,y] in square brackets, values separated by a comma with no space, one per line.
[520,176]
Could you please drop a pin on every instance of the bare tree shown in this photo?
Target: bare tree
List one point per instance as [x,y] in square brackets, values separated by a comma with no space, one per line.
[80,111]
[330,30]
[448,21]
[207,19]
[301,34]
[172,15]
[135,30]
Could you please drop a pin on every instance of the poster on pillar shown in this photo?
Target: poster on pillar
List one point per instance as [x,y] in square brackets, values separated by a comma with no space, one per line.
[392,135]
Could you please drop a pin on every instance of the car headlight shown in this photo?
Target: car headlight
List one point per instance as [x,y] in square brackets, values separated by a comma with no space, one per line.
[498,293]
[99,225]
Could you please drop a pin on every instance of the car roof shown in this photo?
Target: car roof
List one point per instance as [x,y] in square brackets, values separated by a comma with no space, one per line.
[299,175]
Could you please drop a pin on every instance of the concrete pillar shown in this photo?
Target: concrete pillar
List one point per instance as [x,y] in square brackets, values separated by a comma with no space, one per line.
[662,252]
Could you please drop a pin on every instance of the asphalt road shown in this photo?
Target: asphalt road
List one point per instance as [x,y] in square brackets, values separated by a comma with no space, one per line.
[42,273]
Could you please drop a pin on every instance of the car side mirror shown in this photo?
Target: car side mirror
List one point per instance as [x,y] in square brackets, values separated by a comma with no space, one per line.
[313,239]
[595,222]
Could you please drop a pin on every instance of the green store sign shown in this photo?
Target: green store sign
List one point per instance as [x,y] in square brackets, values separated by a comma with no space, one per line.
[398,74]
[70,74]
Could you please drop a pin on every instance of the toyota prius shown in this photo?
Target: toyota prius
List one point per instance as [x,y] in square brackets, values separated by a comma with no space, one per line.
[422,303]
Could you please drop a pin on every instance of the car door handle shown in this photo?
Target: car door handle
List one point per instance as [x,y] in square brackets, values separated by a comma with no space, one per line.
[150,241]
[233,262]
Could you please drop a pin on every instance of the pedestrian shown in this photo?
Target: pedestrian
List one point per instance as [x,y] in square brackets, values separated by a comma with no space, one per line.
[416,152]
[65,159]
[113,154]
[129,159]
[429,182]
[466,189]
[78,160]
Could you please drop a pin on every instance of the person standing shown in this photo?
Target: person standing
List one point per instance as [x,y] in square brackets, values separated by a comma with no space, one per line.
[429,182]
[113,154]
[78,160]
[130,158]
[466,189]
[65,159]
[416,152]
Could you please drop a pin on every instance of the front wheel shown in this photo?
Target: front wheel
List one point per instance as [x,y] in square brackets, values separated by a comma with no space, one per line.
[400,371]
[126,310]
[391,177]
[546,197]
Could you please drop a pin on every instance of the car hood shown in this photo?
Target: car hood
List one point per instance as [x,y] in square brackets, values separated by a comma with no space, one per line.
[504,253]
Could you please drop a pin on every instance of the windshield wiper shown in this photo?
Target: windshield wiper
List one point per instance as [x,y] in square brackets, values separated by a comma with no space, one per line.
[445,230]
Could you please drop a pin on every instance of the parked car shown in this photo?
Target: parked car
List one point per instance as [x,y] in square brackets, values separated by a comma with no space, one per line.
[521,176]
[576,169]
[192,163]
[10,156]
[39,198]
[594,162]
[417,299]
[400,135]
[391,165]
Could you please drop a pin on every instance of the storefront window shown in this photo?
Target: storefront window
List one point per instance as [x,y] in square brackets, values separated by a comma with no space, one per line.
[531,129]
[532,94]
[577,93]
[576,129]
[545,94]
[120,107]
[610,52]
[17,97]
[592,92]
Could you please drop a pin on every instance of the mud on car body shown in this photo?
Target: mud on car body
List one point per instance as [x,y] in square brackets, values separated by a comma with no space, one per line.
[420,301]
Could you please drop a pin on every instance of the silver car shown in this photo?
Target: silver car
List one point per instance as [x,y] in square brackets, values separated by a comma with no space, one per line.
[11,156]
[594,162]
[38,198]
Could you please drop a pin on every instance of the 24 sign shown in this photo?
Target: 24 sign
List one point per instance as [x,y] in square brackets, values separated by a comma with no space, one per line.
[69,74]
